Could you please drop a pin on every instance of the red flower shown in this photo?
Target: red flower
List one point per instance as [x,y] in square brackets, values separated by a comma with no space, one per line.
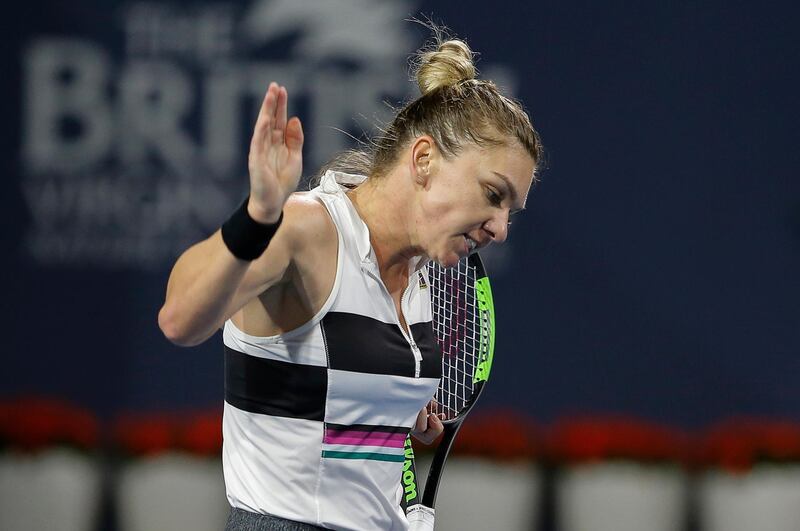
[151,434]
[202,433]
[497,434]
[34,423]
[141,434]
[738,444]
[604,438]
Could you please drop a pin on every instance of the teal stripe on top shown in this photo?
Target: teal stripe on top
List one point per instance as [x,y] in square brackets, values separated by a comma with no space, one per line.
[363,455]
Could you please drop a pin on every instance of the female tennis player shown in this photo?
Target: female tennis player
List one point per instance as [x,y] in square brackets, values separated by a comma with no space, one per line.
[330,358]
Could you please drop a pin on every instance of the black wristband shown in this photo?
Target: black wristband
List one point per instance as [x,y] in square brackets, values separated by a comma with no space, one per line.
[245,237]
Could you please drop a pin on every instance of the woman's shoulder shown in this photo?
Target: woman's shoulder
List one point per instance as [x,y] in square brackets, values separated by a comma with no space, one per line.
[307,220]
[314,244]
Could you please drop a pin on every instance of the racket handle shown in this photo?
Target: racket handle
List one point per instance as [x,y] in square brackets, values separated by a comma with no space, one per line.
[420,518]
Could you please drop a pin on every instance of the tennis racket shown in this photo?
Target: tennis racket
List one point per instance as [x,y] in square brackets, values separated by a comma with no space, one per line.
[463,323]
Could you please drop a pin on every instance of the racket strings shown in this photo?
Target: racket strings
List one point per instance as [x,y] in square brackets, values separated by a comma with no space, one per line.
[457,323]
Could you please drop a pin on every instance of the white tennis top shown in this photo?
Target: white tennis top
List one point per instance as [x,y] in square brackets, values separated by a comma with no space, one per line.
[316,418]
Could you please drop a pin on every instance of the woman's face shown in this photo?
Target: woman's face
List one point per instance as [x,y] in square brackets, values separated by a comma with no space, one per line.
[465,203]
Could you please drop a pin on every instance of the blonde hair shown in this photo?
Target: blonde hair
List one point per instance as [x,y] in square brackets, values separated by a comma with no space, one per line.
[455,108]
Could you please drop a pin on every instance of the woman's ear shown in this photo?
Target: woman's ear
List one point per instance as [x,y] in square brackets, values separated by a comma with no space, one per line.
[423,159]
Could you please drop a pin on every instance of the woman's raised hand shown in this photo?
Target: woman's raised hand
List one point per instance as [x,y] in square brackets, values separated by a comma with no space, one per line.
[275,161]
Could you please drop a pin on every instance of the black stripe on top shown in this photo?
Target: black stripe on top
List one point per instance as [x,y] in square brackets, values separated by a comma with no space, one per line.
[362,344]
[367,428]
[431,366]
[276,388]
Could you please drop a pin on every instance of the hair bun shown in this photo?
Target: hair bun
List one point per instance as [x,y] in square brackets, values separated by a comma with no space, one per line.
[448,65]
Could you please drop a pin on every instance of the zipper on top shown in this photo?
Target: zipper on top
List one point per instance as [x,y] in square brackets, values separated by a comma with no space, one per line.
[409,336]
[403,307]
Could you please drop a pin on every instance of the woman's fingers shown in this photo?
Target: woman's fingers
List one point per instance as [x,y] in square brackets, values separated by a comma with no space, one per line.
[272,126]
[266,118]
[294,134]
[275,160]
[280,112]
[433,427]
[278,123]
[422,421]
[428,425]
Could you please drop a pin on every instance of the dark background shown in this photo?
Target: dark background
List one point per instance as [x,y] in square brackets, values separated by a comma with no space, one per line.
[655,271]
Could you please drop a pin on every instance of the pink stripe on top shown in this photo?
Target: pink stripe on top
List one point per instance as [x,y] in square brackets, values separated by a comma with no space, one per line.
[391,440]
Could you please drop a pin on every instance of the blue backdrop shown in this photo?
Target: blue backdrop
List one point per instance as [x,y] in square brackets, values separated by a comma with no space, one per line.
[655,271]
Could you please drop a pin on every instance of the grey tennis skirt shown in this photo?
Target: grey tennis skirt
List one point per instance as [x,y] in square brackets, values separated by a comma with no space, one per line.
[241,520]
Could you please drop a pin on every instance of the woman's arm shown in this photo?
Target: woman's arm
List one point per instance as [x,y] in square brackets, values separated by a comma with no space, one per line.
[208,283]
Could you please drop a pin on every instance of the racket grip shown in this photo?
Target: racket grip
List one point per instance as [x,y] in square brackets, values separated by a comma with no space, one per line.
[420,518]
